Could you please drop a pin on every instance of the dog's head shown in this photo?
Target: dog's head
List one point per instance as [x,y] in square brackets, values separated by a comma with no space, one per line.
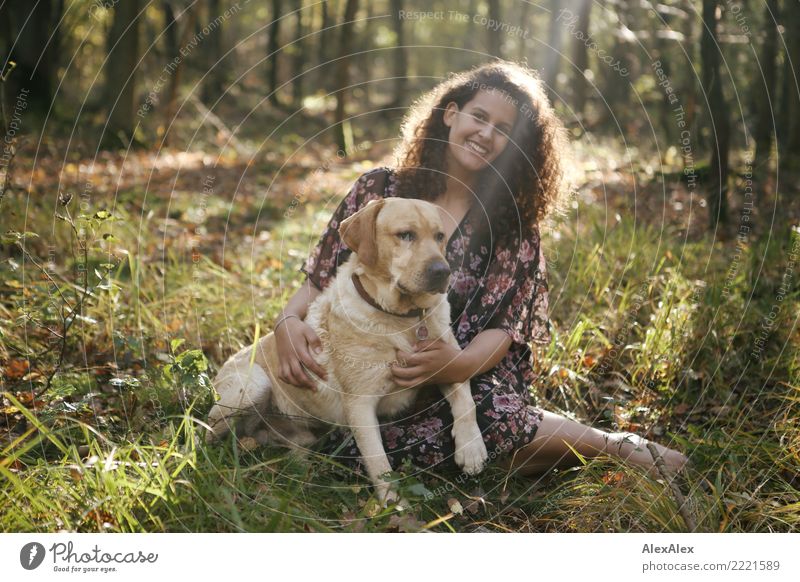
[401,241]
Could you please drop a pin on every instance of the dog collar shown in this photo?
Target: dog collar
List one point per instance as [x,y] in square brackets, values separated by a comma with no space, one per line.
[421,330]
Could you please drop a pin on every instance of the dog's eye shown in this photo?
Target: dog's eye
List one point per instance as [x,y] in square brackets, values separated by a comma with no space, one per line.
[406,235]
[439,236]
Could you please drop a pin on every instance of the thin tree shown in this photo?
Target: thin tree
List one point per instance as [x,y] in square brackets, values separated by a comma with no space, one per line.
[688,90]
[400,57]
[273,51]
[718,117]
[524,20]
[215,71]
[297,56]
[188,17]
[324,40]
[472,10]
[552,59]
[30,39]
[580,57]
[364,47]
[495,39]
[791,104]
[664,43]
[765,104]
[170,30]
[344,138]
[121,76]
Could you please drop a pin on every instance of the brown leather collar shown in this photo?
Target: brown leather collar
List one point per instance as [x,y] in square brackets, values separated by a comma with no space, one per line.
[365,296]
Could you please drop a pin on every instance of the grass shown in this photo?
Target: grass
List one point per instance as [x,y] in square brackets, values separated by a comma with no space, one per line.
[653,333]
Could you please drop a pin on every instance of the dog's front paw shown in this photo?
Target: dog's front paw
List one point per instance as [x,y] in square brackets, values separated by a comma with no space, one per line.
[471,454]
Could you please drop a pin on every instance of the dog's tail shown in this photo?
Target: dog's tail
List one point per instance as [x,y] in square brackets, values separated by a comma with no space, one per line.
[244,392]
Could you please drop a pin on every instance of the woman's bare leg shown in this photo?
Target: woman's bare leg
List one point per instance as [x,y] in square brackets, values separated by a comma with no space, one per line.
[549,449]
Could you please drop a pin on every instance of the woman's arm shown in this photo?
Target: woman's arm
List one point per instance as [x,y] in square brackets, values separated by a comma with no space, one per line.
[298,304]
[485,351]
[438,362]
[295,339]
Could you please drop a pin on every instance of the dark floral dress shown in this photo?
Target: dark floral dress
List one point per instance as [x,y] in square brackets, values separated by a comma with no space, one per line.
[504,288]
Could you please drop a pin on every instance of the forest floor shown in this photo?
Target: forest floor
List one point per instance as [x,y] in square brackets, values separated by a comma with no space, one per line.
[127,278]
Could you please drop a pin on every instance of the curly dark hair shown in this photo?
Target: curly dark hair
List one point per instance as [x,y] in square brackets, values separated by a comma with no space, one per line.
[524,182]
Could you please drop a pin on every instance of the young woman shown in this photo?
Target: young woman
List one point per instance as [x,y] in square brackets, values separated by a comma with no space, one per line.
[486,147]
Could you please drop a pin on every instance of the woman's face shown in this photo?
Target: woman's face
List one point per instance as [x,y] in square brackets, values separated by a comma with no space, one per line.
[480,130]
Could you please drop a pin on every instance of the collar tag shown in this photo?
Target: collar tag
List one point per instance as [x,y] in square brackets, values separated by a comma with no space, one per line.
[421,330]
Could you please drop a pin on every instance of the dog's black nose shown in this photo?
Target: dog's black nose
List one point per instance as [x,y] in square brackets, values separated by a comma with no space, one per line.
[437,274]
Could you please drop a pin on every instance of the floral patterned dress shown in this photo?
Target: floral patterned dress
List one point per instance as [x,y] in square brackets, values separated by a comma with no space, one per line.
[504,287]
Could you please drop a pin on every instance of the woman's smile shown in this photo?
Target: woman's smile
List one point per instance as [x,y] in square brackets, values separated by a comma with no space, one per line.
[477,148]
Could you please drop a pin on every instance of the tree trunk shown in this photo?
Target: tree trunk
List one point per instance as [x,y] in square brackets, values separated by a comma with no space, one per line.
[170,30]
[552,62]
[324,33]
[580,56]
[400,61]
[718,118]
[297,57]
[495,40]
[215,72]
[273,52]
[765,122]
[323,48]
[344,139]
[364,46]
[689,86]
[791,106]
[121,70]
[666,114]
[189,17]
[27,27]
[524,22]
[471,35]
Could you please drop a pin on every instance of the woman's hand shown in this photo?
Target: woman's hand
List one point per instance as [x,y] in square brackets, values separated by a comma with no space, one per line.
[295,341]
[432,362]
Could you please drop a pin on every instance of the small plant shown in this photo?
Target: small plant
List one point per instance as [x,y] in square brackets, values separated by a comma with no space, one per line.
[188,374]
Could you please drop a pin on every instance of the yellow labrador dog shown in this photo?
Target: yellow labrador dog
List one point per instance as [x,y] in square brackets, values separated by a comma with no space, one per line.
[388,294]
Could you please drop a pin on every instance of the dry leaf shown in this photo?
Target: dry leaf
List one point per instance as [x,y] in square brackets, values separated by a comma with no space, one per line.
[455,506]
[16,369]
[248,443]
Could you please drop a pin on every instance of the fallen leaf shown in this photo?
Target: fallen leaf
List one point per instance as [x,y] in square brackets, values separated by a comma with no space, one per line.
[16,369]
[248,443]
[372,507]
[613,478]
[103,519]
[455,506]
[406,522]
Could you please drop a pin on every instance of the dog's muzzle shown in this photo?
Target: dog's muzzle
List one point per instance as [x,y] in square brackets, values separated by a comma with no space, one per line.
[437,275]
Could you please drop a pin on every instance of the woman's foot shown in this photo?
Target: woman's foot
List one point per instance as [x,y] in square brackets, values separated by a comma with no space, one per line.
[633,449]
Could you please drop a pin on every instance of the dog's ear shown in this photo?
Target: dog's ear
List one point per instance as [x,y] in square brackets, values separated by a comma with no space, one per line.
[358,232]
